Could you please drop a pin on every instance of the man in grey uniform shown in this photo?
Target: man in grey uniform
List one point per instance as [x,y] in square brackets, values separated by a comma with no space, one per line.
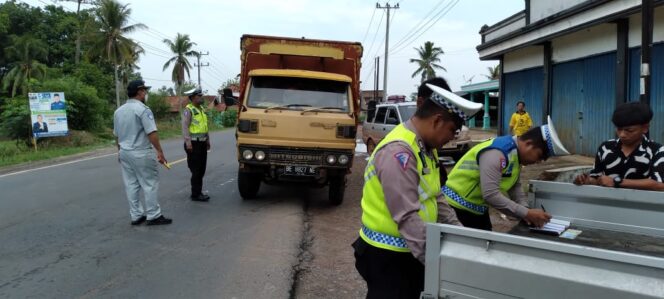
[137,140]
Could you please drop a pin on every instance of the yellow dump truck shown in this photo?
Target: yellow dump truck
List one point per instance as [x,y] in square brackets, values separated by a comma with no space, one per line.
[299,113]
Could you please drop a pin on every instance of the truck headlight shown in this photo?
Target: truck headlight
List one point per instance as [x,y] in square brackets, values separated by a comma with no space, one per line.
[331,159]
[343,159]
[247,154]
[260,155]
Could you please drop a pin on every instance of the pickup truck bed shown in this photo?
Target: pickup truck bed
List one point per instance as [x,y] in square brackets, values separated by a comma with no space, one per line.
[603,239]
[619,254]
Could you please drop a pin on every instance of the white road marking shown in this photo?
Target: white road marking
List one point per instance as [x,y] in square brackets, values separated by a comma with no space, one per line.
[226,182]
[56,165]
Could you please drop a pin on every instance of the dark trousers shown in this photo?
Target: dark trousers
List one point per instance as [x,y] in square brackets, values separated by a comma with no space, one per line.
[388,274]
[197,161]
[469,219]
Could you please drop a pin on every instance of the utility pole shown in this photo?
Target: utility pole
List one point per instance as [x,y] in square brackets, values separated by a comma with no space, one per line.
[387,41]
[199,65]
[646,48]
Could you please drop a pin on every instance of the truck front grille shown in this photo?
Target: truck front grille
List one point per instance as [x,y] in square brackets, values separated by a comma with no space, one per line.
[296,157]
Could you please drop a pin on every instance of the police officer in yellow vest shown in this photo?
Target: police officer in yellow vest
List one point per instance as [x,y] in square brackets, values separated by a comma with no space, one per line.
[196,142]
[490,171]
[402,192]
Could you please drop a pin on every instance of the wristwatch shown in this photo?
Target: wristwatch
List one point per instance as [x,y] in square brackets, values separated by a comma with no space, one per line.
[616,182]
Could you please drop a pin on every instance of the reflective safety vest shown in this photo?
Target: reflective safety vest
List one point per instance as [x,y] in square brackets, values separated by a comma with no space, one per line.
[199,123]
[378,228]
[462,189]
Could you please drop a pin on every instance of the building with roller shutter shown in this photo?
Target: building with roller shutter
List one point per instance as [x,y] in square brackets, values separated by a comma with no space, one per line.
[576,60]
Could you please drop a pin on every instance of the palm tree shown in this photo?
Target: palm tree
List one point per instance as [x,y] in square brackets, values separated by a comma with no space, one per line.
[127,68]
[181,47]
[428,61]
[494,72]
[26,50]
[109,41]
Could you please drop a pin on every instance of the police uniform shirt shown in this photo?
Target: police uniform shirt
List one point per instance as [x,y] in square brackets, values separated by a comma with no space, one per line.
[645,162]
[401,195]
[490,167]
[132,123]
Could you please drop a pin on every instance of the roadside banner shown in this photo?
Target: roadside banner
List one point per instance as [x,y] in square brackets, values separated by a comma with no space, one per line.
[48,114]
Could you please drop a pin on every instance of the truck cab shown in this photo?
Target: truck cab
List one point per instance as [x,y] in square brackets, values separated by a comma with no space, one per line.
[298,120]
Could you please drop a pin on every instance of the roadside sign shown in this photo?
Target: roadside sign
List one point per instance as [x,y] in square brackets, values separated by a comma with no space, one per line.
[48,114]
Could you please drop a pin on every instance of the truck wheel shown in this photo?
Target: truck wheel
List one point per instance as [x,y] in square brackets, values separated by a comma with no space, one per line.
[337,189]
[371,145]
[248,184]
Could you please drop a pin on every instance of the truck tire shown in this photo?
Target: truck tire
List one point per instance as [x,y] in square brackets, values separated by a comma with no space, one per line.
[248,184]
[337,185]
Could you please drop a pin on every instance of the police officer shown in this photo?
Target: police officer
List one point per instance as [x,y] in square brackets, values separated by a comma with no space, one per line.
[196,142]
[402,192]
[137,140]
[491,170]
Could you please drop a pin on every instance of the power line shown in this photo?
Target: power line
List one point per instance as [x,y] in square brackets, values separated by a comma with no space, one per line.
[432,24]
[369,27]
[153,79]
[375,34]
[419,25]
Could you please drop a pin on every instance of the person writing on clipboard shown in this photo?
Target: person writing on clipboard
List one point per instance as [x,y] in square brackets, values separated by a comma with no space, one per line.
[491,170]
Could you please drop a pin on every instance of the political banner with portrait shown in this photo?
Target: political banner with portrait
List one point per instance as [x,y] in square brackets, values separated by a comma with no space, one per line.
[48,113]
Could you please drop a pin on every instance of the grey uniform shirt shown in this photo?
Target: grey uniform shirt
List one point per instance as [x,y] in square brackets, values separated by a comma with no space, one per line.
[402,197]
[490,176]
[132,123]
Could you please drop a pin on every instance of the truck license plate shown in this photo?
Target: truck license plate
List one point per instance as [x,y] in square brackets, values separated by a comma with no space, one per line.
[300,170]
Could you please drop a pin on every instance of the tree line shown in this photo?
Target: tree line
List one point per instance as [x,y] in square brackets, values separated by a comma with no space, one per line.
[87,54]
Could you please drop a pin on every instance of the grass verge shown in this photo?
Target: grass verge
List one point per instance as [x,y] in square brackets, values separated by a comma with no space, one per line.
[12,153]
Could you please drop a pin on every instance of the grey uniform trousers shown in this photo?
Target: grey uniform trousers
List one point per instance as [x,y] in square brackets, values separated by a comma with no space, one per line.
[140,172]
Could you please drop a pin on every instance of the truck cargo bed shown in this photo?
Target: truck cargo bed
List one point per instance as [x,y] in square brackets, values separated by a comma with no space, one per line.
[603,239]
[619,253]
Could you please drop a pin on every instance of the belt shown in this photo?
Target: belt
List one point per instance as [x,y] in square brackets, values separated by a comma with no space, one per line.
[199,138]
[460,200]
[383,238]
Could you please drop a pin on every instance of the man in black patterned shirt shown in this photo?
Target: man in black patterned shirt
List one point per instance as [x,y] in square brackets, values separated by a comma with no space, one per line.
[632,160]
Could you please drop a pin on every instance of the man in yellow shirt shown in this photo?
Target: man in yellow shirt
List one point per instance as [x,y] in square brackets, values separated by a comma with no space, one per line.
[521,121]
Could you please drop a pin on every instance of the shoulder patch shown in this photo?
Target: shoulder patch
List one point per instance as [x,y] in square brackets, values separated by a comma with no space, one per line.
[402,159]
[503,163]
[150,116]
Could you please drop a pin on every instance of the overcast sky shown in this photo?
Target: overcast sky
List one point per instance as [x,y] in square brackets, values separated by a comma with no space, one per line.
[217,25]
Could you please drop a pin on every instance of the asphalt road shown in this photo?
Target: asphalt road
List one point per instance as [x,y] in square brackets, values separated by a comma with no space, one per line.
[65,233]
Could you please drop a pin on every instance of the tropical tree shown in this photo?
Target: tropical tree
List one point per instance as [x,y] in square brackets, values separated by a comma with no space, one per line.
[429,57]
[109,41]
[181,47]
[26,50]
[494,72]
[127,68]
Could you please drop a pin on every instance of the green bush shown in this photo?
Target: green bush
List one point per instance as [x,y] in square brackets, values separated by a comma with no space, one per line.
[159,106]
[215,118]
[230,118]
[15,120]
[85,110]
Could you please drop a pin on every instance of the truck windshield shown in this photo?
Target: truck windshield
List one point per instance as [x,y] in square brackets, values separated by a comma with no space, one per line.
[298,93]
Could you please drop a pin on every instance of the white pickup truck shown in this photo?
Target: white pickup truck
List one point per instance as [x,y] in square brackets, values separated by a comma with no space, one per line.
[619,253]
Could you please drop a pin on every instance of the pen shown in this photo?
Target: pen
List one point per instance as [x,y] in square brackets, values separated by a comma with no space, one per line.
[543,209]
